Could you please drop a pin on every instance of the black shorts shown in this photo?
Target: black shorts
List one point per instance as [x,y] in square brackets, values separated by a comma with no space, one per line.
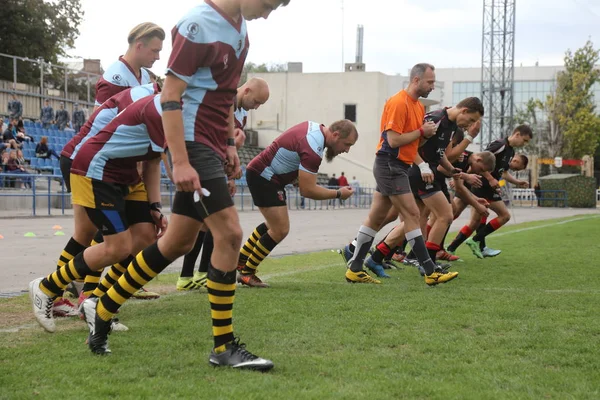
[265,193]
[422,190]
[211,169]
[111,207]
[486,192]
[391,175]
[65,170]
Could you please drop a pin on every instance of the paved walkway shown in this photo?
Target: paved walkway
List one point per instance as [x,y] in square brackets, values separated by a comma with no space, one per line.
[25,258]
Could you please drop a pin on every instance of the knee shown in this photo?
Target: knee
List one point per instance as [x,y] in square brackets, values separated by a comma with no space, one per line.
[504,218]
[143,239]
[445,219]
[412,214]
[118,250]
[279,233]
[231,236]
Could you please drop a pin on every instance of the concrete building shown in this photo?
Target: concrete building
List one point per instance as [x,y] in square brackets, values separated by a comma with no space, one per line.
[360,96]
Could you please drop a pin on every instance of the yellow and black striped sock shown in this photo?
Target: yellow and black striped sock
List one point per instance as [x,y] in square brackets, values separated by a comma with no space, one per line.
[221,294]
[69,252]
[144,267]
[56,282]
[90,281]
[111,277]
[263,248]
[246,250]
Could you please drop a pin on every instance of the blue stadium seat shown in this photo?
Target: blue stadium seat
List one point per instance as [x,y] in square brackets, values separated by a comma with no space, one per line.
[55,163]
[57,171]
[35,162]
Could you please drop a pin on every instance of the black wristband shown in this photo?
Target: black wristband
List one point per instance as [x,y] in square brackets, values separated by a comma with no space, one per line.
[231,142]
[155,206]
[338,194]
[171,105]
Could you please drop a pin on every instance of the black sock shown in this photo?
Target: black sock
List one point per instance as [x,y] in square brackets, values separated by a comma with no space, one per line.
[207,250]
[382,250]
[189,261]
[415,238]
[364,239]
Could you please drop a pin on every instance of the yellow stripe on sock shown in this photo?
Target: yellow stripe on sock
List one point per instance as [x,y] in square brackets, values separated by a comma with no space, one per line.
[116,297]
[142,263]
[73,270]
[103,313]
[262,249]
[46,291]
[221,314]
[221,299]
[222,330]
[220,349]
[245,253]
[92,279]
[225,287]
[127,287]
[136,277]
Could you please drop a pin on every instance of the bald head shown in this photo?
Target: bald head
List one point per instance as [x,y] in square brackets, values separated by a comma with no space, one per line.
[253,94]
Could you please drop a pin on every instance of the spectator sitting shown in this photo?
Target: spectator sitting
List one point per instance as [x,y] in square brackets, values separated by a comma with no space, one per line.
[3,160]
[13,137]
[43,151]
[13,167]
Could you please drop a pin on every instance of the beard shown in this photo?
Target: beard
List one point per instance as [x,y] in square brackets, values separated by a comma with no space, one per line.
[329,154]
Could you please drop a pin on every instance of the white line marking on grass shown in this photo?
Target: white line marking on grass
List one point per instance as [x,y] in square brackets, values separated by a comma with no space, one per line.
[544,226]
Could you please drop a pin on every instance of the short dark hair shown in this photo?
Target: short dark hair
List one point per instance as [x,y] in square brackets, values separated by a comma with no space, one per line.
[419,69]
[524,160]
[345,127]
[472,104]
[524,130]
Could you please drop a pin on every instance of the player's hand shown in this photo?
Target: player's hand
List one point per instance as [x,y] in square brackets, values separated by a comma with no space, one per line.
[232,187]
[426,172]
[160,223]
[186,178]
[523,184]
[474,129]
[346,191]
[473,180]
[483,202]
[482,210]
[232,163]
[429,129]
[452,184]
[495,184]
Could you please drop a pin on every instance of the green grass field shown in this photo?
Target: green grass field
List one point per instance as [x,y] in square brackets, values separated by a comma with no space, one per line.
[522,325]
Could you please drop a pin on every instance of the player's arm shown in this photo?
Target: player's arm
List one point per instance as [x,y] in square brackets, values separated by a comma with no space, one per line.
[493,181]
[426,172]
[307,184]
[511,179]
[399,113]
[465,194]
[233,161]
[184,176]
[168,169]
[448,167]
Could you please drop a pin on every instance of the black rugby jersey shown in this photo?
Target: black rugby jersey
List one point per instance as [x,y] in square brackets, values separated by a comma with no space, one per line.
[504,153]
[435,147]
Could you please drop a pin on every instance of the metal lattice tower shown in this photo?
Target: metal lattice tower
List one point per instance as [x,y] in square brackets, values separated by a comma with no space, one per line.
[497,69]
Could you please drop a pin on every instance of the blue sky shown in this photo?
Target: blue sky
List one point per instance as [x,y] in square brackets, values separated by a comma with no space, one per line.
[398,33]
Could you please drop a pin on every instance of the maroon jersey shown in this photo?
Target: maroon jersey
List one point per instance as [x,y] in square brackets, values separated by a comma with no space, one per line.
[136,134]
[209,50]
[299,148]
[105,113]
[118,77]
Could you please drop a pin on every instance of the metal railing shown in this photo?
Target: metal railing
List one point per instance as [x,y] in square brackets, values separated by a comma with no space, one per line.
[47,192]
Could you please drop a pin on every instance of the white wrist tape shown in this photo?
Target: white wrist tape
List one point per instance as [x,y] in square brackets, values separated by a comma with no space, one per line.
[424,167]
[469,138]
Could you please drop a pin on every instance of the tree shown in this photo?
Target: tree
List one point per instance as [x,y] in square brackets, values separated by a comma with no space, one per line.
[37,29]
[251,67]
[570,126]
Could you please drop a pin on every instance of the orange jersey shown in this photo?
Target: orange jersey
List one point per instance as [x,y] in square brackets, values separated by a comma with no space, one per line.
[401,114]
